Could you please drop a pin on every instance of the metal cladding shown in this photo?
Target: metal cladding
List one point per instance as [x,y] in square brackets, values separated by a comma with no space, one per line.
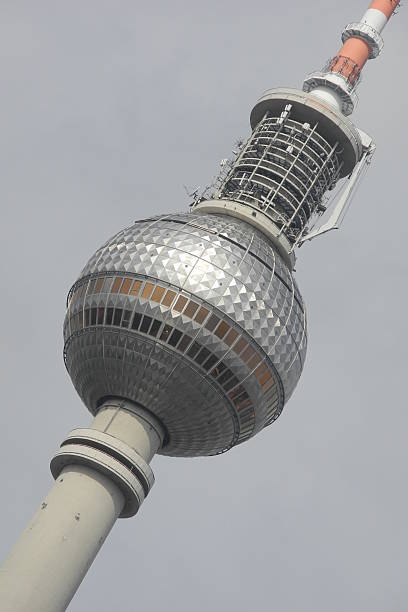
[195,317]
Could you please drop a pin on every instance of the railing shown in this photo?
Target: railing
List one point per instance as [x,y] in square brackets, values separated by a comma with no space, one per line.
[347,68]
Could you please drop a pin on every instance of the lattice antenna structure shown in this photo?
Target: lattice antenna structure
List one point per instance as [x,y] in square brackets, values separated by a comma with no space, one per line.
[303,144]
[185,333]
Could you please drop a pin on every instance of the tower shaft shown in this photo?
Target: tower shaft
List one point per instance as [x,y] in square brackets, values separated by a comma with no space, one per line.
[54,552]
[94,482]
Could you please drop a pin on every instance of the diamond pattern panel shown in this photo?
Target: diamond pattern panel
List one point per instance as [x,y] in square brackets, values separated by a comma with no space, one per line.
[223,262]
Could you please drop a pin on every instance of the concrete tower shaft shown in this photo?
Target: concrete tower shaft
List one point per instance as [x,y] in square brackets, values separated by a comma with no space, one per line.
[101,473]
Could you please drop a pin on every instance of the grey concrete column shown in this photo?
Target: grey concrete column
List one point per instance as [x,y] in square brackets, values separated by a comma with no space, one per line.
[102,473]
[54,552]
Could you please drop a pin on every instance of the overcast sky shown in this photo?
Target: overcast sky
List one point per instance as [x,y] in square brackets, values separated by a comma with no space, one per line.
[107,109]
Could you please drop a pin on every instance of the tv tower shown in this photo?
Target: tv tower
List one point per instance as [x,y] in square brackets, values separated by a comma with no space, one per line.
[185,334]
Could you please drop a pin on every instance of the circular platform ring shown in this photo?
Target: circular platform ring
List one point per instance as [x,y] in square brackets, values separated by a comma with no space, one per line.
[366,33]
[127,482]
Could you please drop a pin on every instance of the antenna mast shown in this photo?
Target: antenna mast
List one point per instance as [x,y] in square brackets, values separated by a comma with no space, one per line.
[336,84]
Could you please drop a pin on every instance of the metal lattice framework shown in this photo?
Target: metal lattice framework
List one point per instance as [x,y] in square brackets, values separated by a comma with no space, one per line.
[284,170]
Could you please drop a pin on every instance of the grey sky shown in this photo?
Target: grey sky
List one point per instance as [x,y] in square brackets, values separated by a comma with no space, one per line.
[107,109]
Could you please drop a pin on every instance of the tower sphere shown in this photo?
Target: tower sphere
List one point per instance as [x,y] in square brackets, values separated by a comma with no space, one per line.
[197,318]
[185,334]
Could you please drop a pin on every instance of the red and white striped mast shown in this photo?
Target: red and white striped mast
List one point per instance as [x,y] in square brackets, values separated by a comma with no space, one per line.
[362,41]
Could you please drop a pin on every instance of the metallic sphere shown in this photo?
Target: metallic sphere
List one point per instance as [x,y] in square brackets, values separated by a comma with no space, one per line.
[195,317]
